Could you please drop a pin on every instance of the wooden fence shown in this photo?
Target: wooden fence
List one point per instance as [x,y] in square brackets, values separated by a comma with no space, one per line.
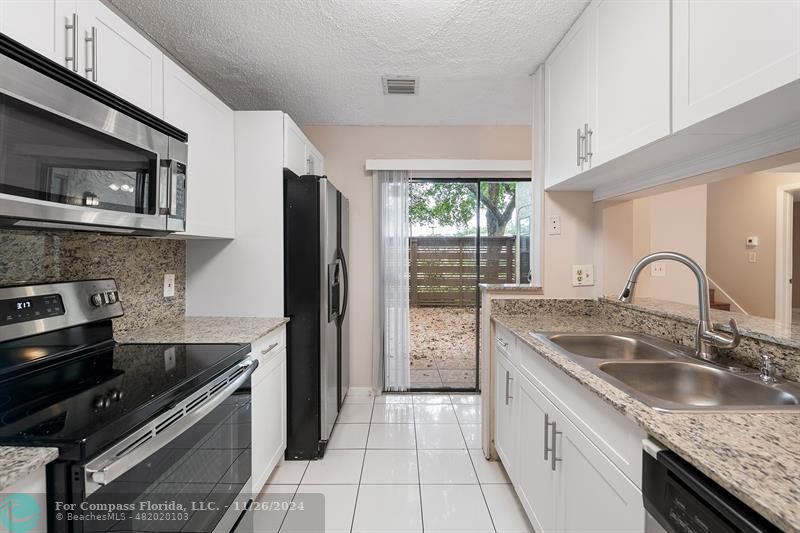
[442,269]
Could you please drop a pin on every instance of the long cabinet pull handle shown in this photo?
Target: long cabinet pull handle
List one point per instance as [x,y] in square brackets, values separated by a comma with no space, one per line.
[546,438]
[74,29]
[271,347]
[587,133]
[508,379]
[579,149]
[93,69]
[554,459]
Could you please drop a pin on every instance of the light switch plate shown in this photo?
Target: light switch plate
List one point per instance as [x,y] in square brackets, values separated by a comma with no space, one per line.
[582,275]
[169,285]
[751,257]
[658,270]
[554,225]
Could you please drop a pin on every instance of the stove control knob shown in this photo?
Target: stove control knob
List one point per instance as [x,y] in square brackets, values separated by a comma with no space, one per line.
[97,299]
[101,402]
[111,297]
[115,395]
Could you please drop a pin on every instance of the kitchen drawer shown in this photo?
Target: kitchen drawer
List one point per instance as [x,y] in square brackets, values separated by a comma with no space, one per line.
[617,437]
[269,345]
[506,343]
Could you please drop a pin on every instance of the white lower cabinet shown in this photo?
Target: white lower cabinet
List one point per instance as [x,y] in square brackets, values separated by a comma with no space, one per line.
[593,494]
[563,479]
[534,479]
[30,494]
[268,413]
[505,441]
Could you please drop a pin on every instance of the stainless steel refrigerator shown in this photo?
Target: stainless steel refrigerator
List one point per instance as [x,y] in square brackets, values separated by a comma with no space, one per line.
[316,239]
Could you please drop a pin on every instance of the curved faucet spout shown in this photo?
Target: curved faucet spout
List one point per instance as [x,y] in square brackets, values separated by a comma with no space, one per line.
[707,336]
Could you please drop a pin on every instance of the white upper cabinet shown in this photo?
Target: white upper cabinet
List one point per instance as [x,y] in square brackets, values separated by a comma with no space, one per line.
[210,170]
[633,76]
[299,155]
[42,26]
[119,58]
[726,53]
[569,102]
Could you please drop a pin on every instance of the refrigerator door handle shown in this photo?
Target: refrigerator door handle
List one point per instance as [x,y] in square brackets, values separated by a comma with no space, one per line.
[346,286]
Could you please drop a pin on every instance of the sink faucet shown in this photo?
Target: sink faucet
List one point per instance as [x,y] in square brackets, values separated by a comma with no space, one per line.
[706,337]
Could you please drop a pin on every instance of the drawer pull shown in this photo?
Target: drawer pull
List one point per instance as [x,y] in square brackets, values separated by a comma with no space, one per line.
[502,342]
[508,379]
[271,347]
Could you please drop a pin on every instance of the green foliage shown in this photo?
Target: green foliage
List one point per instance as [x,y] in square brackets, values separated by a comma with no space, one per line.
[453,204]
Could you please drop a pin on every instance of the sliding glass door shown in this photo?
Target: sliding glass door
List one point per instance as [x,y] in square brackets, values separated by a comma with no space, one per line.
[463,232]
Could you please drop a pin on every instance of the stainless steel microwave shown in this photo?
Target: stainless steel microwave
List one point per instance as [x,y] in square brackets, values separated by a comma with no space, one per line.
[75,156]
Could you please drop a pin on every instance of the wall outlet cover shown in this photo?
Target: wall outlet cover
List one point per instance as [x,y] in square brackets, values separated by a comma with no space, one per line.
[752,257]
[169,285]
[582,275]
[658,270]
[554,225]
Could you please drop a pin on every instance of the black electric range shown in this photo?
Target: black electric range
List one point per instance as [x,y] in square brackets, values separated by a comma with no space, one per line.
[130,420]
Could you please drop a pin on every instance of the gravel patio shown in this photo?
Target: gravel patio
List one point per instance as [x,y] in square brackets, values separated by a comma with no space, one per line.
[442,347]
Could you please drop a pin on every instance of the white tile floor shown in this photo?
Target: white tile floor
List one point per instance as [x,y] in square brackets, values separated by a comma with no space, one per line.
[403,463]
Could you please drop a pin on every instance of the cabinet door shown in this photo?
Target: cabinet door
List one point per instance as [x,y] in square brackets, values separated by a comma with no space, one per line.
[269,418]
[210,191]
[315,161]
[40,25]
[726,53]
[505,386]
[535,480]
[569,79]
[593,494]
[125,63]
[294,147]
[633,82]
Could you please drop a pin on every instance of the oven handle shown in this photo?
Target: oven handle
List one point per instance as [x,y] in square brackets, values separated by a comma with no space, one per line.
[100,471]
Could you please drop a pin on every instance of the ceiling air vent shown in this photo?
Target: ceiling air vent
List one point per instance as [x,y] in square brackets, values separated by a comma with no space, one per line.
[400,85]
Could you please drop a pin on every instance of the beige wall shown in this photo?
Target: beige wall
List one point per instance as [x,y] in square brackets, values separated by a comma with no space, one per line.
[673,221]
[739,208]
[346,148]
[574,246]
[796,255]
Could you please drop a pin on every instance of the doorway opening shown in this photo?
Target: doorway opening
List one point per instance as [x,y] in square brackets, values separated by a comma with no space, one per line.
[464,232]
[787,268]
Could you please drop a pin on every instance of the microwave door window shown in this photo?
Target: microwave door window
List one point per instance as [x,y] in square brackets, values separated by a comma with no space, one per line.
[46,157]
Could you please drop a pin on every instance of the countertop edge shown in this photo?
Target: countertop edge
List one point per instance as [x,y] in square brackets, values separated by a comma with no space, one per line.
[204,330]
[18,462]
[633,410]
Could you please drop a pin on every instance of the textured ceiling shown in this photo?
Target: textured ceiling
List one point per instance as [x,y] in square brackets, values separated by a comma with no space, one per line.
[321,61]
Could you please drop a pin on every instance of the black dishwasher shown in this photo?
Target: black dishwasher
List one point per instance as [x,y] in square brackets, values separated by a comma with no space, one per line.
[679,498]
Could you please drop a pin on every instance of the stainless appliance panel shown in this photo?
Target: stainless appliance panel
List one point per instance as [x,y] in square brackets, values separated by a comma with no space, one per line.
[329,302]
[344,323]
[68,161]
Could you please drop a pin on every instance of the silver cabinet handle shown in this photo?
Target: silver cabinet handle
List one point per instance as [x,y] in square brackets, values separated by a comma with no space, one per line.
[508,379]
[587,135]
[93,69]
[547,425]
[74,29]
[502,342]
[310,165]
[553,458]
[579,148]
[271,347]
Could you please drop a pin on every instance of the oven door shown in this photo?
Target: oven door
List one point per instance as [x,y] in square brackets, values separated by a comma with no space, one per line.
[187,470]
[68,160]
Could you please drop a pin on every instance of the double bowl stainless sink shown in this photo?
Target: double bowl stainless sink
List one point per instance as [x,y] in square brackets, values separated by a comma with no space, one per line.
[667,377]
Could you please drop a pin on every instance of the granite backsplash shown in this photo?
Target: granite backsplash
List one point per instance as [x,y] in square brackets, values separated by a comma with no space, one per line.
[660,323]
[138,264]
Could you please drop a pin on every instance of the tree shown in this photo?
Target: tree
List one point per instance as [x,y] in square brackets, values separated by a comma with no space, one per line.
[453,204]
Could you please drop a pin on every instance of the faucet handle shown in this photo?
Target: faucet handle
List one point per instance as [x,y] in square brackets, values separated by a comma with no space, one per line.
[767,370]
[737,337]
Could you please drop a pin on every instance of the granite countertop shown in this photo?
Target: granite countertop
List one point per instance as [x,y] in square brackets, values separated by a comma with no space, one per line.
[17,462]
[200,330]
[755,456]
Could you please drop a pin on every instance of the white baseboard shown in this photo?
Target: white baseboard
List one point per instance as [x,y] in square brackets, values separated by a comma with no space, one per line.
[361,392]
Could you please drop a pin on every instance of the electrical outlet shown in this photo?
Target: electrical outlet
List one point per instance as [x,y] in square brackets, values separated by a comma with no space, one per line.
[658,270]
[582,275]
[554,225]
[751,257]
[169,285]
